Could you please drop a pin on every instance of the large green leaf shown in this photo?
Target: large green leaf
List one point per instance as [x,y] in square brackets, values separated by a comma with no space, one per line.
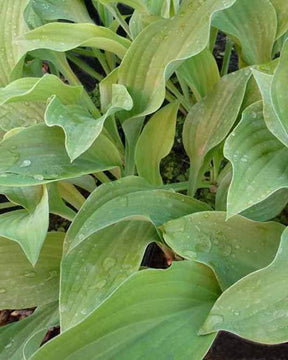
[210,120]
[39,89]
[200,72]
[23,286]
[14,337]
[22,114]
[155,142]
[92,271]
[256,307]
[155,314]
[263,211]
[28,227]
[80,127]
[281,7]
[232,248]
[257,160]
[64,36]
[130,196]
[42,150]
[159,49]
[272,120]
[254,24]
[73,10]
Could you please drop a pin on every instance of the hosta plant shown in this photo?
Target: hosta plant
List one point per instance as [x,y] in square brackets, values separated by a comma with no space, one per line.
[91,152]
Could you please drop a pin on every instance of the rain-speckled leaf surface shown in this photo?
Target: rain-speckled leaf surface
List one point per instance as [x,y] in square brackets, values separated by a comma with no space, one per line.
[281,7]
[254,24]
[211,119]
[21,114]
[272,120]
[158,49]
[63,37]
[257,160]
[130,196]
[28,227]
[73,10]
[155,142]
[147,321]
[42,150]
[14,337]
[23,286]
[260,313]
[80,127]
[92,271]
[39,89]
[232,248]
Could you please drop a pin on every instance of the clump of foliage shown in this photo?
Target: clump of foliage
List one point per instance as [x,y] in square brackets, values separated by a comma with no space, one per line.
[153,70]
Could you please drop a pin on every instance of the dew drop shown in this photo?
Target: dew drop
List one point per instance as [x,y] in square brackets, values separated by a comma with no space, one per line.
[38,177]
[3,291]
[25,163]
[84,312]
[101,284]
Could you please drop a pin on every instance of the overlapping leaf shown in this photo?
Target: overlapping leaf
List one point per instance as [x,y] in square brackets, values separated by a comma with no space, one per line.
[257,159]
[37,155]
[232,248]
[260,313]
[130,196]
[254,24]
[14,337]
[210,120]
[165,43]
[163,310]
[24,286]
[80,127]
[92,271]
[155,142]
[200,72]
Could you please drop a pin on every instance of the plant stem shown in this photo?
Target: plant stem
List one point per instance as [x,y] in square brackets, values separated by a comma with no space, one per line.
[227,56]
[102,60]
[213,38]
[103,178]
[85,67]
[118,16]
[171,87]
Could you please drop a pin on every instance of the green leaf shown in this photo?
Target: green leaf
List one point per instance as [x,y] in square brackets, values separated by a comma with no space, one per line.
[14,115]
[260,314]
[257,160]
[158,319]
[73,10]
[159,49]
[139,5]
[272,120]
[130,196]
[92,271]
[43,152]
[254,24]
[80,127]
[210,120]
[281,7]
[64,36]
[14,337]
[232,248]
[200,72]
[263,211]
[155,142]
[39,89]
[56,204]
[28,227]
[23,286]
